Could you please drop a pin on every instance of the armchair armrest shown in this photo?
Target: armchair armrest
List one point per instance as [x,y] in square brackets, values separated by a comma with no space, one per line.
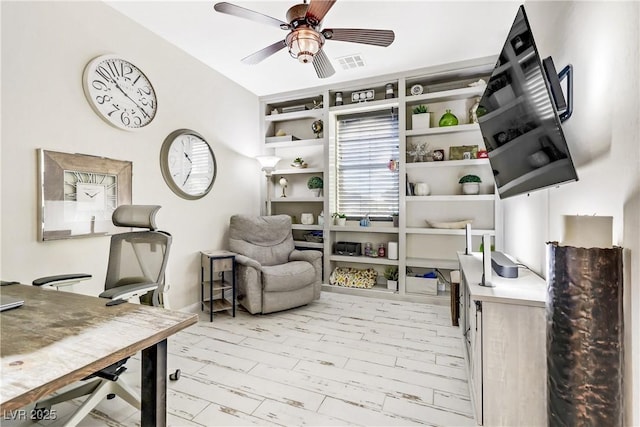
[248,262]
[309,256]
[61,280]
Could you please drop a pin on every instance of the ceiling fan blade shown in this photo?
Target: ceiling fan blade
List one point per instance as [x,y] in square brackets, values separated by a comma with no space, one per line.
[318,9]
[232,9]
[360,35]
[322,65]
[262,54]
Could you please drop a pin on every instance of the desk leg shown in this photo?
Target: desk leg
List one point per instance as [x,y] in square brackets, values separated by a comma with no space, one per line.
[154,385]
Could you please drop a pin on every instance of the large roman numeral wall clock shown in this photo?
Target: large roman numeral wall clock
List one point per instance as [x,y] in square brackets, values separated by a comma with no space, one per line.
[119,92]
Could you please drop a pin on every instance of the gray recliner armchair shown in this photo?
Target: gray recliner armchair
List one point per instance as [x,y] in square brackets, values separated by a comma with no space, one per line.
[271,274]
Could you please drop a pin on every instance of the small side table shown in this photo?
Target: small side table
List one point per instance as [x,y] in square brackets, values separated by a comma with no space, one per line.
[215,268]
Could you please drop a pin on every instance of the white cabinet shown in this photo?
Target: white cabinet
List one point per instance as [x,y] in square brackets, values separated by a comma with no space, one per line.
[504,330]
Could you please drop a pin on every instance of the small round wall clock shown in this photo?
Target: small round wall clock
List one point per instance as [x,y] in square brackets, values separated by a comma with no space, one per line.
[416,90]
[119,92]
[188,164]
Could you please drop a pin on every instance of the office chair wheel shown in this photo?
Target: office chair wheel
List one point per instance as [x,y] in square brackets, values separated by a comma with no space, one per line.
[175,376]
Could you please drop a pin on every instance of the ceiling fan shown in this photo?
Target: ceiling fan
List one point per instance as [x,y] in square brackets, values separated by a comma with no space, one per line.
[306,38]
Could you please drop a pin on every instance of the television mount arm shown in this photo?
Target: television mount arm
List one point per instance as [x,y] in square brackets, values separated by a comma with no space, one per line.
[555,80]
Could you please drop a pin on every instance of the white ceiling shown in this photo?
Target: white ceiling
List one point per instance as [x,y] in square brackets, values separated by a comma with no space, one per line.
[427,33]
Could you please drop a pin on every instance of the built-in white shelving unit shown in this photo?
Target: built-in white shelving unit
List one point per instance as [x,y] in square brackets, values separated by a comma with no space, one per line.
[420,248]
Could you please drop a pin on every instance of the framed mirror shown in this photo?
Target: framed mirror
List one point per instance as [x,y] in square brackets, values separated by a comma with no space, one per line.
[78,193]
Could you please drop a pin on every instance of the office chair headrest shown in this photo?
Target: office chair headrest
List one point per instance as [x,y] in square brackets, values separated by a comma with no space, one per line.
[140,216]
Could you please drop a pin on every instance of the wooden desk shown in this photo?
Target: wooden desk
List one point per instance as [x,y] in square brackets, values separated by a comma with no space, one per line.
[58,338]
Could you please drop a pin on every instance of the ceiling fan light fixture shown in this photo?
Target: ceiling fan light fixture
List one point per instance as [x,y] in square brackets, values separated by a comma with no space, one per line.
[304,43]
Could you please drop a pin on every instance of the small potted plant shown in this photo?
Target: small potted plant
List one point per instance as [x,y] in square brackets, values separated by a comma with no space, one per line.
[391,274]
[339,218]
[421,118]
[298,163]
[315,184]
[470,184]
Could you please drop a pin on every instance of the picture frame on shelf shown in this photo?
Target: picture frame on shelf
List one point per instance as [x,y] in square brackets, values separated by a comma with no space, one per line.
[78,194]
[463,152]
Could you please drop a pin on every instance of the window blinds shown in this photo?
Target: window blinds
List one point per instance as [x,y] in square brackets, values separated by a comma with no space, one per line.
[365,144]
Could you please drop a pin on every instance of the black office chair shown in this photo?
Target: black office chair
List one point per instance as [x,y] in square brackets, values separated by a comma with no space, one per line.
[137,262]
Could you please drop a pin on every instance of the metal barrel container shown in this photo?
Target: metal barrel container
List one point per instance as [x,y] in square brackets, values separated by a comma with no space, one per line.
[584,336]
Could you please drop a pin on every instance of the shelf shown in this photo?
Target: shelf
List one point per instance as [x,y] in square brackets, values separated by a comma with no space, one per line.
[289,199]
[375,288]
[306,227]
[296,115]
[518,142]
[536,173]
[358,107]
[447,264]
[449,231]
[359,229]
[305,244]
[297,143]
[501,110]
[446,95]
[443,130]
[295,171]
[363,260]
[447,164]
[452,198]
[219,285]
[218,305]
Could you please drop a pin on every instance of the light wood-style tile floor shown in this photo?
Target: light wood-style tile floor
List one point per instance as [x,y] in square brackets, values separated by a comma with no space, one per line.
[342,360]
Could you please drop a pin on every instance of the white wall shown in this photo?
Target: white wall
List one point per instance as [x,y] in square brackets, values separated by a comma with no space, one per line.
[45,47]
[602,41]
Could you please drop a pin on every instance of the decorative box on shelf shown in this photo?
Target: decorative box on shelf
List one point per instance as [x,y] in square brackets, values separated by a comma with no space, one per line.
[284,138]
[421,285]
[294,108]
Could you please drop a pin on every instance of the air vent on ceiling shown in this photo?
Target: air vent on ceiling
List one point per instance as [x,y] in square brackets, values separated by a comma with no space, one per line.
[351,61]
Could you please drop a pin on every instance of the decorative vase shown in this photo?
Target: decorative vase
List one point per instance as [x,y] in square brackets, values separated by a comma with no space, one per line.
[471,188]
[585,338]
[421,121]
[316,191]
[341,221]
[306,218]
[392,284]
[448,119]
[421,189]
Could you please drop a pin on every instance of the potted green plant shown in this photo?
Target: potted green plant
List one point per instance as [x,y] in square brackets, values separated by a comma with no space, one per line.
[315,184]
[391,274]
[339,218]
[421,118]
[298,163]
[470,184]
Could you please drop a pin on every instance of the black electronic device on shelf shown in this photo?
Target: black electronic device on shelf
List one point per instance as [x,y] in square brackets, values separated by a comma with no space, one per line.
[348,248]
[520,116]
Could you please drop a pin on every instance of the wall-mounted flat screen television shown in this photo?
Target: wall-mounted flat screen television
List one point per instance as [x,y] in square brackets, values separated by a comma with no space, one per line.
[519,117]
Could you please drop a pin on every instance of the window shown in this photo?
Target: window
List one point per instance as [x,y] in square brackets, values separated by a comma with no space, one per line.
[365,144]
